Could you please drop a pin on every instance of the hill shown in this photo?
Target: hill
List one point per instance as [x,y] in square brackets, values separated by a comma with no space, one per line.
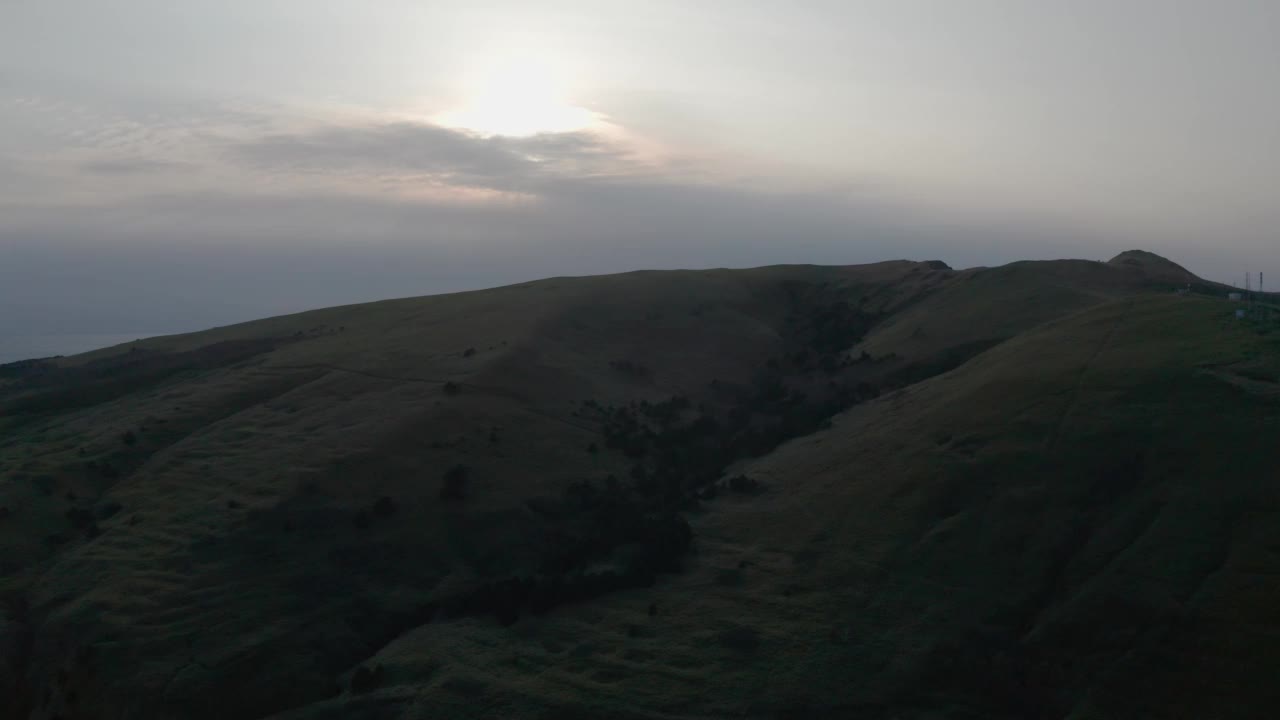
[797,489]
[1152,265]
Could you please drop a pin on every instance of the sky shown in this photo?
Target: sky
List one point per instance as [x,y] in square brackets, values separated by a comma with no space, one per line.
[168,166]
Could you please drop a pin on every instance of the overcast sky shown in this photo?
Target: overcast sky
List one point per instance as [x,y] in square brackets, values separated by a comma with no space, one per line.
[171,165]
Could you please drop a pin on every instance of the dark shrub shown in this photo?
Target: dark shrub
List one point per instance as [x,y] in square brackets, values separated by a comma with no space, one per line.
[740,638]
[129,438]
[628,367]
[79,518]
[455,481]
[728,577]
[451,388]
[364,680]
[384,507]
[743,484]
[469,352]
[104,468]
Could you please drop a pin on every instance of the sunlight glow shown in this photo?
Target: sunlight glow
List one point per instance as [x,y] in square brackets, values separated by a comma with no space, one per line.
[518,98]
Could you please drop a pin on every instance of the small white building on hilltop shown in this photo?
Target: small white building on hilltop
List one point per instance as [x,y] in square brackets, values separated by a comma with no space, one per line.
[1235,297]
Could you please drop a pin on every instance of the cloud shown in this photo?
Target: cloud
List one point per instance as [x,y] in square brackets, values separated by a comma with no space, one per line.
[420,149]
[130,166]
[603,203]
[273,212]
[183,261]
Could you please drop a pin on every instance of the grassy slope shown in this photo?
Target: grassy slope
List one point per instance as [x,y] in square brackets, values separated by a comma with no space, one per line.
[1083,520]
[1079,523]
[228,553]
[1017,296]
[233,562]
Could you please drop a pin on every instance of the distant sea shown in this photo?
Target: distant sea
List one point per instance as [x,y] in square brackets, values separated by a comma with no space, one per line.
[25,347]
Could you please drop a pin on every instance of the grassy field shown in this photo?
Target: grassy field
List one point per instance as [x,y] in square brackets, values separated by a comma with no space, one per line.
[1045,491]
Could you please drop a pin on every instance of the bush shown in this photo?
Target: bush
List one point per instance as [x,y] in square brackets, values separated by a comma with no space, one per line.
[729,577]
[452,388]
[743,484]
[384,507]
[79,518]
[740,638]
[129,438]
[628,367]
[455,481]
[364,680]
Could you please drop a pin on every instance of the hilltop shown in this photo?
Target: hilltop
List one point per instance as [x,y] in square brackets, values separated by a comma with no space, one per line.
[1151,264]
[895,489]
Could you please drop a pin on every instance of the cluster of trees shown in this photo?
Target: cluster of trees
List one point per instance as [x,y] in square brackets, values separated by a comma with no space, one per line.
[600,539]
[679,450]
[48,390]
[632,368]
[103,468]
[822,323]
[506,599]
[27,368]
[619,534]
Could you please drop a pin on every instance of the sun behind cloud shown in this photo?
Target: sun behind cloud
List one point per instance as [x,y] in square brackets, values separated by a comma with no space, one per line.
[518,97]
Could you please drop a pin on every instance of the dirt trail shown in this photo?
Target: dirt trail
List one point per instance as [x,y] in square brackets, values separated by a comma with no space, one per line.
[1055,436]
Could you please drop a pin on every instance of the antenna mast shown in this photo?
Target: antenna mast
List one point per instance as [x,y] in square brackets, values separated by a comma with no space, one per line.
[1264,309]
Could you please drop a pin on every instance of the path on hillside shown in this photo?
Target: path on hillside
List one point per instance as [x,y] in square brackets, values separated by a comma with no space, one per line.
[508,393]
[1055,436]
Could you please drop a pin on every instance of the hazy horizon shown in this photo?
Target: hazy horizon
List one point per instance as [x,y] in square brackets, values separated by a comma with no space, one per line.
[169,167]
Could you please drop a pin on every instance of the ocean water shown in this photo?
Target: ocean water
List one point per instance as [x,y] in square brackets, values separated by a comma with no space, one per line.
[25,347]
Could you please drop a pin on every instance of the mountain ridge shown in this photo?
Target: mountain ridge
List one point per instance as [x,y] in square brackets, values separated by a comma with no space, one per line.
[385,480]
